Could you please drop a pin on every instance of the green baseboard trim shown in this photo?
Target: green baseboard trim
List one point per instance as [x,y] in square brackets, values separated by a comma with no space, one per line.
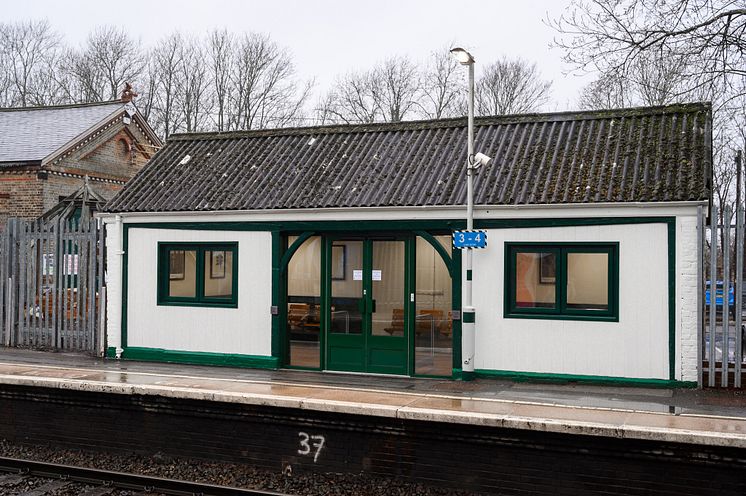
[468,376]
[582,379]
[111,352]
[201,358]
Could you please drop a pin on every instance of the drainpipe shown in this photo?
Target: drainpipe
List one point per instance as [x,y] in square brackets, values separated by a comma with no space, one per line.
[120,258]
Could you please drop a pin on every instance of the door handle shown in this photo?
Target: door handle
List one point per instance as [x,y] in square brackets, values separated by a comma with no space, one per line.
[372,306]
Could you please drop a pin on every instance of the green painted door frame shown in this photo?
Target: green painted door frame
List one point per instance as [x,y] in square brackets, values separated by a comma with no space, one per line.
[366,351]
[282,256]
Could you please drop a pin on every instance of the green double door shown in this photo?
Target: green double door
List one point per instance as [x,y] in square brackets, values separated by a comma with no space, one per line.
[368,284]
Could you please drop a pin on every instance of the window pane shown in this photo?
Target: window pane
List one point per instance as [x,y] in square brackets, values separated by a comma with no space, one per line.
[218,274]
[588,281]
[433,339]
[304,302]
[535,280]
[182,273]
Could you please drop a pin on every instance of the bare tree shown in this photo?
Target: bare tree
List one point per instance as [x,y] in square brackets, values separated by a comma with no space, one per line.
[511,86]
[266,93]
[220,46]
[654,79]
[354,98]
[192,85]
[608,91]
[441,91]
[109,59]
[610,36]
[398,81]
[27,52]
[165,67]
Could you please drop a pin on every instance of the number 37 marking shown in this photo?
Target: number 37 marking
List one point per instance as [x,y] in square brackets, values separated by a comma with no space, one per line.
[317,443]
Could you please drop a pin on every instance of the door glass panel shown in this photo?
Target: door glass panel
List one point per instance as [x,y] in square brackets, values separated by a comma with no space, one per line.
[304,296]
[347,287]
[387,276]
[434,325]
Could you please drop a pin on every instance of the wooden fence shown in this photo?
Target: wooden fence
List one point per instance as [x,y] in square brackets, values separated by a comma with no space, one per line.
[52,285]
[721,329]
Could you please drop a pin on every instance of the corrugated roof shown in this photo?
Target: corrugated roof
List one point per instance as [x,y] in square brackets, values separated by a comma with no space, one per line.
[31,134]
[643,154]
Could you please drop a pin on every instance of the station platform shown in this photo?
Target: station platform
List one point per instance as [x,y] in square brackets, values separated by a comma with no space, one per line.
[696,417]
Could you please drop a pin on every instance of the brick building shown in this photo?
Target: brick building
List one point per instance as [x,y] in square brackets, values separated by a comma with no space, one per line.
[47,152]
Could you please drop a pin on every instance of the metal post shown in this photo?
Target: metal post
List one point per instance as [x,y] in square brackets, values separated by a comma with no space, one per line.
[726,294]
[700,289]
[738,295]
[468,337]
[713,277]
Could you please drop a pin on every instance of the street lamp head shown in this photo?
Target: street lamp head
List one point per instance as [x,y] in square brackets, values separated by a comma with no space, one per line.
[463,57]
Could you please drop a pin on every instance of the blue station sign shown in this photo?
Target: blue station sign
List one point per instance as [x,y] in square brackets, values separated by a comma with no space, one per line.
[469,239]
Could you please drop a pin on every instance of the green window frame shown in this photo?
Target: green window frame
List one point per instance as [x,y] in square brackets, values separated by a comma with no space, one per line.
[561,310]
[199,299]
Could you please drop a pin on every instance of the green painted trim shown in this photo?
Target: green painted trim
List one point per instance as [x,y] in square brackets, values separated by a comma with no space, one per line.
[447,259]
[469,317]
[560,311]
[395,225]
[672,300]
[456,303]
[411,225]
[201,358]
[583,379]
[111,352]
[468,376]
[125,279]
[293,248]
[277,298]
[199,299]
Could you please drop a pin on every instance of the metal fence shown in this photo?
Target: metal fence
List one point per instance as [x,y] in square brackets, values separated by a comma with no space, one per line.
[52,285]
[722,331]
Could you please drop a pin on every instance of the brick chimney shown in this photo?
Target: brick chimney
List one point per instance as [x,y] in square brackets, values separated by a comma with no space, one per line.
[128,93]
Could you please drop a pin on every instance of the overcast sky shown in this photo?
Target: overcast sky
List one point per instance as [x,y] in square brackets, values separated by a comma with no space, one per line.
[330,37]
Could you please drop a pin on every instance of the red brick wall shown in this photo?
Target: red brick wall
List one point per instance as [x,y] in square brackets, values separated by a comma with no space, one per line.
[117,154]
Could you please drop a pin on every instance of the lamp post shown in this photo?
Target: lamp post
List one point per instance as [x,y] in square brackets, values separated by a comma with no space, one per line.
[468,311]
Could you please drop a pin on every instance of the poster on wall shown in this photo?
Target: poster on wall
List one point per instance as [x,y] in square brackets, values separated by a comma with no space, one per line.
[217,264]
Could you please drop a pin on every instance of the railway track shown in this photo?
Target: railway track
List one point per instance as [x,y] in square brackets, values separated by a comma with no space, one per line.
[32,478]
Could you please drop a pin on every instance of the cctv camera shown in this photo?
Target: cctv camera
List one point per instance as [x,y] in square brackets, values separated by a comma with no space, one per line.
[481,159]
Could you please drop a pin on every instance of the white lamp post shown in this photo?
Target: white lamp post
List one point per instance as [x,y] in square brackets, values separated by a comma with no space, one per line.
[468,311]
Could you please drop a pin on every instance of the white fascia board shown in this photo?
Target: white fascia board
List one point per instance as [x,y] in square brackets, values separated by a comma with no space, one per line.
[577,210]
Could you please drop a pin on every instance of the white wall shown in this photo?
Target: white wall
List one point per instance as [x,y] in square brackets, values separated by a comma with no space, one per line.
[634,347]
[246,330]
[686,297]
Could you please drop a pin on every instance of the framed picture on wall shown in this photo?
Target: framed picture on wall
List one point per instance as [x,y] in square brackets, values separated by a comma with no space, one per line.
[547,268]
[339,253]
[217,264]
[176,265]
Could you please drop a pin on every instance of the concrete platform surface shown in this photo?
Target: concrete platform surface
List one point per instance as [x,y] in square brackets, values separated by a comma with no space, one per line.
[716,418]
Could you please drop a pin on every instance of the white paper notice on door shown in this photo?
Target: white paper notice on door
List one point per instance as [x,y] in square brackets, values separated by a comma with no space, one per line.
[376,275]
[357,275]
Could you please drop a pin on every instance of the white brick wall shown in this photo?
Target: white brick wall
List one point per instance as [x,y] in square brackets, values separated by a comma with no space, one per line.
[686,297]
[113,287]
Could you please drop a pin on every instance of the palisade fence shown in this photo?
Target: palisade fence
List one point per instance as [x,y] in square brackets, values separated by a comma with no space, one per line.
[721,328]
[52,285]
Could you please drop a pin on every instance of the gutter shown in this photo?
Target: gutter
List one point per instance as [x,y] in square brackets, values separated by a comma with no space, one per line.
[457,210]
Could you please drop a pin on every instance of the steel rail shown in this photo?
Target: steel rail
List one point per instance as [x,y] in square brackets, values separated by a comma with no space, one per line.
[122,480]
